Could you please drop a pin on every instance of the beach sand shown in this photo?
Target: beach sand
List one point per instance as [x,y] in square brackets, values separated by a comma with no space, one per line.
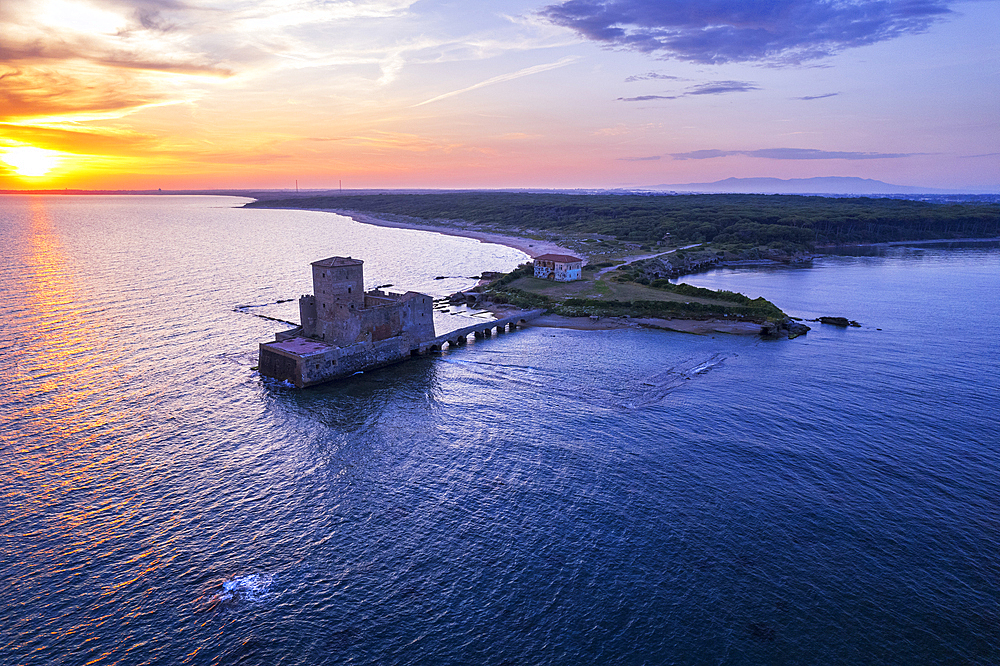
[529,246]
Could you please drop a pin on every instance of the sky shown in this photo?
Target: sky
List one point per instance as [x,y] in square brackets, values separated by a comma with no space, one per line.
[176,94]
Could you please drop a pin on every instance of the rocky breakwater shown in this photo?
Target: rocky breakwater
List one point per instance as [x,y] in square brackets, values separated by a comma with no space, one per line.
[674,265]
[788,328]
[842,322]
[696,260]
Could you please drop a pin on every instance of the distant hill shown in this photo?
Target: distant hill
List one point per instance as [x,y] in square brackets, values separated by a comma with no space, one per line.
[826,185]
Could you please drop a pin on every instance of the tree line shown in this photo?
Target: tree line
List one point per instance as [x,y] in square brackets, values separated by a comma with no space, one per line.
[741,220]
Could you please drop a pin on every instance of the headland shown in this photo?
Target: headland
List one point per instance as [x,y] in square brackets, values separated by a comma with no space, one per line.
[684,313]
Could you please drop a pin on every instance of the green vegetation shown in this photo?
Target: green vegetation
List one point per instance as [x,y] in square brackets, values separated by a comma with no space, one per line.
[623,297]
[733,221]
[729,227]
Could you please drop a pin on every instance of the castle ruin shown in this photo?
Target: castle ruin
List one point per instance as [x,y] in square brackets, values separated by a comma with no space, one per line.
[346,329]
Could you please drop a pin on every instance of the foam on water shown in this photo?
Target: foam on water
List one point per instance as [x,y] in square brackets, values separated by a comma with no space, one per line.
[251,588]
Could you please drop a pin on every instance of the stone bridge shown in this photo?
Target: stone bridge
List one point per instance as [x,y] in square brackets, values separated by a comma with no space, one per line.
[482,330]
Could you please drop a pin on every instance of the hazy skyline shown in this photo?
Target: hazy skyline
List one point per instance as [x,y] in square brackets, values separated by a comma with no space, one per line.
[396,93]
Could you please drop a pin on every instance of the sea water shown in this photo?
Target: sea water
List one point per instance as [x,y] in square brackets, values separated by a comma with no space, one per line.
[545,496]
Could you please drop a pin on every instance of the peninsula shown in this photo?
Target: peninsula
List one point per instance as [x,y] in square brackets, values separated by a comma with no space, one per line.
[634,245]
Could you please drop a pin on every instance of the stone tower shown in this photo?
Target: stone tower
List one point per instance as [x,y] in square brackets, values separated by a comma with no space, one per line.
[338,294]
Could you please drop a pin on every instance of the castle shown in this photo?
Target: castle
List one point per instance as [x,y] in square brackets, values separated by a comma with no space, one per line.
[346,329]
[340,312]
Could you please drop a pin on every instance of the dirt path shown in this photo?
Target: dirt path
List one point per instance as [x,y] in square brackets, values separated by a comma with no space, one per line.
[632,260]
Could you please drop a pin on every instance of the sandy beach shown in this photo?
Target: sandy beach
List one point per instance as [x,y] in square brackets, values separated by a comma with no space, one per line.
[529,246]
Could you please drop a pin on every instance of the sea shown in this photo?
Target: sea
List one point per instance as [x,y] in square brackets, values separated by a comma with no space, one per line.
[543,496]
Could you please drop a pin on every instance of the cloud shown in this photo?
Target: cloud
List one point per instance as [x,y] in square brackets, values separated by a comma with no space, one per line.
[527,71]
[711,88]
[80,140]
[79,91]
[651,158]
[652,76]
[647,98]
[790,154]
[811,97]
[723,31]
[704,154]
[103,59]
[83,59]
[721,88]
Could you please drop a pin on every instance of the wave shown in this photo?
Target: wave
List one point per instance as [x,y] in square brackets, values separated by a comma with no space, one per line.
[251,588]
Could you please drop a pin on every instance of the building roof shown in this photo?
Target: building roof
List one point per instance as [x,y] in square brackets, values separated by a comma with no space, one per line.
[299,345]
[561,258]
[337,261]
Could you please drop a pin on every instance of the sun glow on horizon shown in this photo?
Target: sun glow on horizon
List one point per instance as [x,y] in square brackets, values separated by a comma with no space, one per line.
[30,161]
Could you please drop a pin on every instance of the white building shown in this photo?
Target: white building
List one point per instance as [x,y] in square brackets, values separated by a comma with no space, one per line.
[560,267]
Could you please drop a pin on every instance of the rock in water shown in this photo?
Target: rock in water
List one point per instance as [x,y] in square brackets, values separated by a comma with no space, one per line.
[769,329]
[795,329]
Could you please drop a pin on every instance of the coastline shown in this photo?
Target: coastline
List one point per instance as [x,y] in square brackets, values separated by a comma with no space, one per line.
[534,248]
[690,326]
[529,246]
[929,241]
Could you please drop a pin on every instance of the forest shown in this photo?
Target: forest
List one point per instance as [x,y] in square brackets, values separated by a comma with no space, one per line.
[736,220]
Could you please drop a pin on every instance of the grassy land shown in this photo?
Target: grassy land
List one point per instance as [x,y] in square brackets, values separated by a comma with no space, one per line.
[606,290]
[622,297]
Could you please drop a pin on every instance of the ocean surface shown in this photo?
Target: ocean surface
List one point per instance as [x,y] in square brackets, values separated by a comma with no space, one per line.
[545,496]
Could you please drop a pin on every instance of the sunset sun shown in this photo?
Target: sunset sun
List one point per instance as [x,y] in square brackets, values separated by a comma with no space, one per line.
[31,162]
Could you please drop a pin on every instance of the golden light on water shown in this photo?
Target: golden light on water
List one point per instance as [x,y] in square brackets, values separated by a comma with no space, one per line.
[30,161]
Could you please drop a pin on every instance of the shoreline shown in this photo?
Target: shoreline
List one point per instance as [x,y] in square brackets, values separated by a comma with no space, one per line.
[690,326]
[534,248]
[931,241]
[528,246]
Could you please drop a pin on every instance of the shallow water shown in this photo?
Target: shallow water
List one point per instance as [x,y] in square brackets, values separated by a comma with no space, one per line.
[545,496]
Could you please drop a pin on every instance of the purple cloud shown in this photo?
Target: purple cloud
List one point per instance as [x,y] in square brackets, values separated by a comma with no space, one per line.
[711,88]
[639,159]
[790,154]
[721,88]
[647,98]
[703,154]
[811,97]
[721,31]
[651,76]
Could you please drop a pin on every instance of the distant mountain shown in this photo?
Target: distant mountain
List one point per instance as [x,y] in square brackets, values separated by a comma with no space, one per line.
[827,185]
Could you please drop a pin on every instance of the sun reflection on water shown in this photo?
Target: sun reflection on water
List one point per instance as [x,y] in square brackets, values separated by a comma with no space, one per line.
[69,475]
